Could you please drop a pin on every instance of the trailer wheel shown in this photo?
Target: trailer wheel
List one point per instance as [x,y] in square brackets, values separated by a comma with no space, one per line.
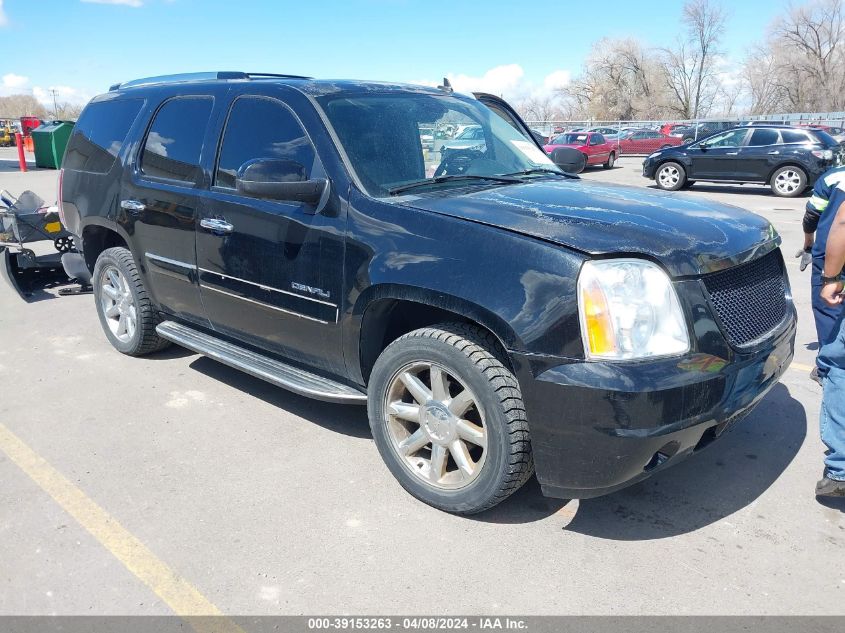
[125,310]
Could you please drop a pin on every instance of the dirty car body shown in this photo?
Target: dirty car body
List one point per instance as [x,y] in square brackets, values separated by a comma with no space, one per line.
[372,261]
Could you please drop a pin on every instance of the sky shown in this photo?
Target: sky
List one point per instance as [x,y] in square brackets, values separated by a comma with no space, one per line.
[515,49]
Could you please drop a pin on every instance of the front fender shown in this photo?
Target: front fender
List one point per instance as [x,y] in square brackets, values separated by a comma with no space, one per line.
[520,288]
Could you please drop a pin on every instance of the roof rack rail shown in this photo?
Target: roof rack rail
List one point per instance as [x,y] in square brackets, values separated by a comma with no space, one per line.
[277,75]
[205,76]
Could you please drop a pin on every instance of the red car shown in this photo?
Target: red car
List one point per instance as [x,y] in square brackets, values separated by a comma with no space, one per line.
[646,142]
[592,144]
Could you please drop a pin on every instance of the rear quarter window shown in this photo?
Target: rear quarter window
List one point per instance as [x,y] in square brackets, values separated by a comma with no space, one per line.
[794,136]
[824,138]
[100,133]
[173,145]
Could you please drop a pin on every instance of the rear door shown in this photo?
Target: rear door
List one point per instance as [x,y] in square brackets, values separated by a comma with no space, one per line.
[271,272]
[159,201]
[761,151]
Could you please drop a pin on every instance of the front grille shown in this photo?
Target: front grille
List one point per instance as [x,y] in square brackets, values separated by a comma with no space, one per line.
[750,299]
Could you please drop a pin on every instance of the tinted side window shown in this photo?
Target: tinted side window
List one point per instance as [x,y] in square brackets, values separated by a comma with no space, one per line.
[762,136]
[261,128]
[99,134]
[793,136]
[174,142]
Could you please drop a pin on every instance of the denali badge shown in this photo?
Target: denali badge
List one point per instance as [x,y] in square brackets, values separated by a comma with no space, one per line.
[310,290]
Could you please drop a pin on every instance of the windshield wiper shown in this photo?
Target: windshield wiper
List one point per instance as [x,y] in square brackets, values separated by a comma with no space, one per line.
[539,170]
[507,179]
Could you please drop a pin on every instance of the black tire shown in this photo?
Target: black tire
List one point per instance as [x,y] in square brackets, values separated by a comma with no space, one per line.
[144,339]
[610,161]
[788,181]
[471,354]
[674,182]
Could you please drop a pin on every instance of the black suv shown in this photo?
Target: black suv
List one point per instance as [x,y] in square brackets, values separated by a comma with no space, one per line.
[788,159]
[493,312]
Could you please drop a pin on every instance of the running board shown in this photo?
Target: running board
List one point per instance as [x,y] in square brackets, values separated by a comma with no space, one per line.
[291,378]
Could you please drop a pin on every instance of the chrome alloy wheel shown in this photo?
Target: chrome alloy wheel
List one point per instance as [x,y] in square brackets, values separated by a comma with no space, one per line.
[436,426]
[669,176]
[118,304]
[788,181]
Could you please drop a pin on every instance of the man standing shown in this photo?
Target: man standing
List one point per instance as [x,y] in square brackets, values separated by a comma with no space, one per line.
[830,242]
[824,315]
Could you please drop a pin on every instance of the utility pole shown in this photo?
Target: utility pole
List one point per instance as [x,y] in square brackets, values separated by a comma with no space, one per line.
[54,92]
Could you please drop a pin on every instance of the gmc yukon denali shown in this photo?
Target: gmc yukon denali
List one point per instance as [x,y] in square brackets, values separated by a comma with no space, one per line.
[496,315]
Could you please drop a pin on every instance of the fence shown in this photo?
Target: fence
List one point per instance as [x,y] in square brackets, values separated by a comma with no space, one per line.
[834,120]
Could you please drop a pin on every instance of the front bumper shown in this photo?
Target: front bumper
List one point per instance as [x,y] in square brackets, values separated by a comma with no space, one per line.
[597,427]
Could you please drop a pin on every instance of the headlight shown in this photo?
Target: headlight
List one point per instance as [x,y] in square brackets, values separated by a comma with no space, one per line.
[629,310]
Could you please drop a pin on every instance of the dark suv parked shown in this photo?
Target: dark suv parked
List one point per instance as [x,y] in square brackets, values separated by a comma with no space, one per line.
[788,159]
[492,311]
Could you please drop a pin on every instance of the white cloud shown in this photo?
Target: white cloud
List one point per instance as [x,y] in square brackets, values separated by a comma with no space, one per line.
[12,81]
[127,3]
[64,94]
[507,81]
[3,19]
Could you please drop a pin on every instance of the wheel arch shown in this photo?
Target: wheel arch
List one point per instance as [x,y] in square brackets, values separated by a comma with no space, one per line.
[97,236]
[791,163]
[386,312]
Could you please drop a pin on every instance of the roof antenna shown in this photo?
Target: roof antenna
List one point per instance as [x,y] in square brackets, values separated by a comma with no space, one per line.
[446,87]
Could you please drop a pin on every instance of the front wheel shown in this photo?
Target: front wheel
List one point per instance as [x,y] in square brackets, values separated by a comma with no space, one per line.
[448,419]
[788,182]
[670,176]
[610,161]
[125,310]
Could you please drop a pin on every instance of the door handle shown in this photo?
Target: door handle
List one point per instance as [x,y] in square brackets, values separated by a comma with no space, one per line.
[773,152]
[216,225]
[731,153]
[133,206]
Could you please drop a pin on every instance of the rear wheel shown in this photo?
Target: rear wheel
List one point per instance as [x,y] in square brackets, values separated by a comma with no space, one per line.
[125,310]
[788,182]
[670,176]
[610,161]
[448,419]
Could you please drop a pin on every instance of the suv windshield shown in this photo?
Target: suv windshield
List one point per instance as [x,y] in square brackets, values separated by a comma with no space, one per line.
[380,133]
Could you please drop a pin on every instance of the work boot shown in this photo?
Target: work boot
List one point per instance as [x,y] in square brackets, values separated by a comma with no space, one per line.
[828,487]
[814,375]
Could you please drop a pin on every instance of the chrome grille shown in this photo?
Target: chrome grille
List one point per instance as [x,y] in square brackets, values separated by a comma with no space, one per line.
[750,299]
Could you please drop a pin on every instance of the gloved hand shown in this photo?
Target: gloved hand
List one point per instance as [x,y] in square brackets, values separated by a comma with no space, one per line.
[806,256]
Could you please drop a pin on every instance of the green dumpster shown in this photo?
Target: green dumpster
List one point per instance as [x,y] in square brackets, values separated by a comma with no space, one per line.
[50,140]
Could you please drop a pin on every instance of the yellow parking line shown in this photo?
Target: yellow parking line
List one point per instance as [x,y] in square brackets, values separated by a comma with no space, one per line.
[174,590]
[801,367]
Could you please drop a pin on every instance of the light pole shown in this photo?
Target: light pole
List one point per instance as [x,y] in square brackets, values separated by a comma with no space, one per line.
[54,92]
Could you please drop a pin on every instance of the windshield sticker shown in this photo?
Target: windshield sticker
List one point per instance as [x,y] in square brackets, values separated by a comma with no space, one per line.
[532,152]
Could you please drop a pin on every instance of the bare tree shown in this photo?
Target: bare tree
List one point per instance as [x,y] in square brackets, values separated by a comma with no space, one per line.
[690,68]
[15,106]
[68,111]
[621,80]
[810,41]
[544,108]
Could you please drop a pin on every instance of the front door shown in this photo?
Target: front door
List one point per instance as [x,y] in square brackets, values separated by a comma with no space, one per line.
[159,202]
[716,157]
[271,271]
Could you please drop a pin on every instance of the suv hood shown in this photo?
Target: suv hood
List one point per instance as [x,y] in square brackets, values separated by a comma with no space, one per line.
[688,236]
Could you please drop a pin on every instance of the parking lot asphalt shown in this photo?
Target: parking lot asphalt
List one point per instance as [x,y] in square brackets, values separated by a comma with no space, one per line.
[174,484]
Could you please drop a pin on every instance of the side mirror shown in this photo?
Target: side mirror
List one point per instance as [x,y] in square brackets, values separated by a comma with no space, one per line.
[276,179]
[569,159]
